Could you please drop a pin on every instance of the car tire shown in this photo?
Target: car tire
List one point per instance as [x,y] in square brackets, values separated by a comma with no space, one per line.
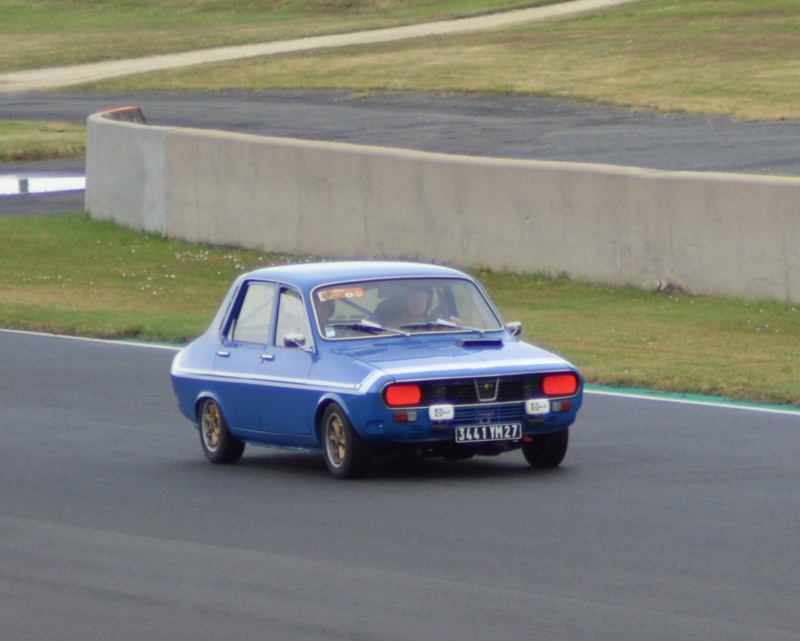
[346,454]
[217,443]
[547,450]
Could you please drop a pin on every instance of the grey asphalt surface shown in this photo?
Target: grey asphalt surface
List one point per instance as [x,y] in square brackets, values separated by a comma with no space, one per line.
[666,522]
[507,127]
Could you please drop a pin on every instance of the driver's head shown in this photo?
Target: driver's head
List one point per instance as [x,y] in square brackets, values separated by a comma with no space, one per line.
[417,299]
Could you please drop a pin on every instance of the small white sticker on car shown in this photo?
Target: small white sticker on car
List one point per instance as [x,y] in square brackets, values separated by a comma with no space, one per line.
[441,412]
[537,406]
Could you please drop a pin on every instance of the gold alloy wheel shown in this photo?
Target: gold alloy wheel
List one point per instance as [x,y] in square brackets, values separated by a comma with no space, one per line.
[212,425]
[336,441]
[346,455]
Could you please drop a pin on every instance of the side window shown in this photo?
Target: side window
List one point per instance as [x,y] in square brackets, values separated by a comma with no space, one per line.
[292,318]
[472,309]
[255,314]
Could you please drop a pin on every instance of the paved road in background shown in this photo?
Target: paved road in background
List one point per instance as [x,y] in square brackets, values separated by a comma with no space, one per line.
[667,522]
[507,127]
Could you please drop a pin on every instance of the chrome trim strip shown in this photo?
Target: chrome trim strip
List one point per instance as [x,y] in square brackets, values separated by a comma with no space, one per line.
[257,379]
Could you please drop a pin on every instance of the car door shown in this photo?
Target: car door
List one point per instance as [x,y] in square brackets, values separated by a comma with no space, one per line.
[287,403]
[244,339]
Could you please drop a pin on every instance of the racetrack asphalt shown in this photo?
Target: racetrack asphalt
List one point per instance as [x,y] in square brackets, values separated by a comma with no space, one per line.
[667,521]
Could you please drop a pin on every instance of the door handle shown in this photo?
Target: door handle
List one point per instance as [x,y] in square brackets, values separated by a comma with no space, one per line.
[223,354]
[267,357]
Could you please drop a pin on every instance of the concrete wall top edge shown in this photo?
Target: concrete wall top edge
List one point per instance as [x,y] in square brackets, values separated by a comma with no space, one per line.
[113,117]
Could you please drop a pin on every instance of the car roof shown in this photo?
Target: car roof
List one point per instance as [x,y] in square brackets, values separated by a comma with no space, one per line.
[309,275]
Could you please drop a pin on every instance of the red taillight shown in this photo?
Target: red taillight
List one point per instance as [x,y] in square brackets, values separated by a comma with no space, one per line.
[403,395]
[560,384]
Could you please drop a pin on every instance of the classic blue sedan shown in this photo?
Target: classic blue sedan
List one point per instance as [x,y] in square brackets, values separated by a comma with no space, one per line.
[357,359]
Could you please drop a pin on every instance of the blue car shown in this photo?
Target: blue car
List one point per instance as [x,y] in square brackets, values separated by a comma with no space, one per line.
[360,359]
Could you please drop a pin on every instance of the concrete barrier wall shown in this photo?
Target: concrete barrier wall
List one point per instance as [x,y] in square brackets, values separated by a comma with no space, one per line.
[125,170]
[721,234]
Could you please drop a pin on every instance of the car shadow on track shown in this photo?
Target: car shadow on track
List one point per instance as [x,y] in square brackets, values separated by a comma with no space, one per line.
[388,468]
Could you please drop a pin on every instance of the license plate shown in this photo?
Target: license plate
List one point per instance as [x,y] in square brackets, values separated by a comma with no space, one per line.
[507,432]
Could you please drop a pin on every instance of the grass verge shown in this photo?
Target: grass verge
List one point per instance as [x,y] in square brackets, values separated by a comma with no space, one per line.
[51,33]
[72,275]
[25,141]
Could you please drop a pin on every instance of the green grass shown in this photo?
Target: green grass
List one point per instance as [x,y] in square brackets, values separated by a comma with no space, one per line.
[69,274]
[46,33]
[72,275]
[626,337]
[26,140]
